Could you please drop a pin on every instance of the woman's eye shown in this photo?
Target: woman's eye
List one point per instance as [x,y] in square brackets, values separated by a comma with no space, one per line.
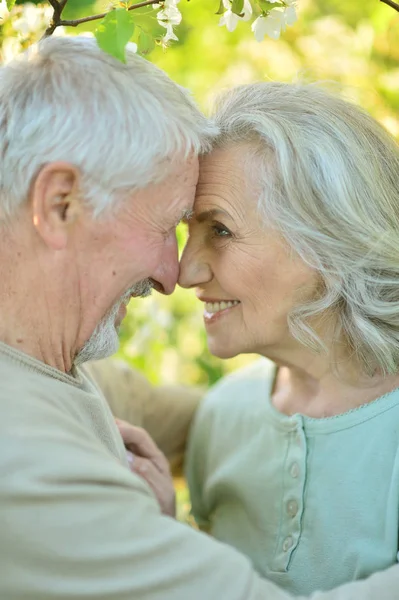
[220,230]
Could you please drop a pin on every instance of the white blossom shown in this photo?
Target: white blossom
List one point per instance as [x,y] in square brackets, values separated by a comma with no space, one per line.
[10,48]
[170,34]
[4,12]
[168,17]
[33,18]
[275,21]
[131,47]
[230,19]
[290,15]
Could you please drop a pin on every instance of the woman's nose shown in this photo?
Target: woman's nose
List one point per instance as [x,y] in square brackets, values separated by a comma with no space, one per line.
[194,268]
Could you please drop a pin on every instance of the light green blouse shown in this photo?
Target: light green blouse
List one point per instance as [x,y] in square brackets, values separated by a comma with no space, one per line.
[312,502]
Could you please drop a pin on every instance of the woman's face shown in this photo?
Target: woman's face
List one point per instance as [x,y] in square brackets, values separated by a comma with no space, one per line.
[243,271]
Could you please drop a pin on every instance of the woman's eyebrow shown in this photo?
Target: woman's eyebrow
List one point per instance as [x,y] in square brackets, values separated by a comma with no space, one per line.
[207,215]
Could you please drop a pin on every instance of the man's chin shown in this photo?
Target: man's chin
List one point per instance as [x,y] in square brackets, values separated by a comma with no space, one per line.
[103,343]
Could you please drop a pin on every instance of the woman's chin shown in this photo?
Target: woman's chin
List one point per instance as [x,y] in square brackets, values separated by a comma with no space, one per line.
[221,351]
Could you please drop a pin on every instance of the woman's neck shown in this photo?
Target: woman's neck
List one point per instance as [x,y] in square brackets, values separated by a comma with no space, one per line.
[295,390]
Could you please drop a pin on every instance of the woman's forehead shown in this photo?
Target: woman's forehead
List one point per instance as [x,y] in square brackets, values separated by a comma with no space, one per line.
[224,181]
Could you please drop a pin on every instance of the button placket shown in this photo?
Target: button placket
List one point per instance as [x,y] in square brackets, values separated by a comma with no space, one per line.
[288,543]
[294,481]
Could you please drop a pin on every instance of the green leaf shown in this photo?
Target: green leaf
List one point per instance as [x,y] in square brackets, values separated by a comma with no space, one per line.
[237,7]
[267,6]
[145,43]
[221,10]
[10,4]
[114,32]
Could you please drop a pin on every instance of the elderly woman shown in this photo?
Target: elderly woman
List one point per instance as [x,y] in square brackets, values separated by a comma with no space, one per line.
[294,251]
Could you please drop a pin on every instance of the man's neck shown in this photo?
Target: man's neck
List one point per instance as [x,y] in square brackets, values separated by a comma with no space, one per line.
[33,340]
[30,319]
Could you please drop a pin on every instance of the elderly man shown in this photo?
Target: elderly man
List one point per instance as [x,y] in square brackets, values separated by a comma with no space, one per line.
[98,164]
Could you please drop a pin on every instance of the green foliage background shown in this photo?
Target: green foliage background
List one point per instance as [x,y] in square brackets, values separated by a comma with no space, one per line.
[351,45]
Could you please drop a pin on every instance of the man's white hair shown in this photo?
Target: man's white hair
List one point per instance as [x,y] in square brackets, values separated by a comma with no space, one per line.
[120,124]
[329,180]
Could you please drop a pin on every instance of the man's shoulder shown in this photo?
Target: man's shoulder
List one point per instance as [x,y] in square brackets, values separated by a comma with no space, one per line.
[50,404]
[29,390]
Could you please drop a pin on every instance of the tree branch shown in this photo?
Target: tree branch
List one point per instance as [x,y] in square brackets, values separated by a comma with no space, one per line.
[392,4]
[58,7]
[58,22]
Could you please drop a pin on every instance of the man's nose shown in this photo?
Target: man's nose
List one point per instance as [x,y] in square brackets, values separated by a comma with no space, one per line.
[194,269]
[165,276]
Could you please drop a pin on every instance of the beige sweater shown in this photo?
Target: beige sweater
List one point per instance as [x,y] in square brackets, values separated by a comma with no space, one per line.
[165,411]
[75,524]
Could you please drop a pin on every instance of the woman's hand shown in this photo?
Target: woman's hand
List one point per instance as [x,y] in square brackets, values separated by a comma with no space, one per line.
[146,459]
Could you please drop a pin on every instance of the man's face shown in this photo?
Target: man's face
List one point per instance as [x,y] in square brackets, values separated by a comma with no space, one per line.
[127,253]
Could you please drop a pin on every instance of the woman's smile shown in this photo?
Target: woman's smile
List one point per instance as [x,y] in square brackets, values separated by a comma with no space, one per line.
[215,309]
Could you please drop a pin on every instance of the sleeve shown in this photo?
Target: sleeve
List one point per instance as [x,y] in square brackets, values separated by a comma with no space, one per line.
[165,412]
[80,526]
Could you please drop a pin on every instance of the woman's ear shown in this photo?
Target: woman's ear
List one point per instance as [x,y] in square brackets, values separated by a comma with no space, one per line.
[56,202]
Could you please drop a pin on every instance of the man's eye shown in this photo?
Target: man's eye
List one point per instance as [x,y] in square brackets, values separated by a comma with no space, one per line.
[220,230]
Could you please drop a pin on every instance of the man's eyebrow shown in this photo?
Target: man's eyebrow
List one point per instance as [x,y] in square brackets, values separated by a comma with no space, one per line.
[186,215]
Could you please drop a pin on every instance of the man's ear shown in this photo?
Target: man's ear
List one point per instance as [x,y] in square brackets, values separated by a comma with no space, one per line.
[56,202]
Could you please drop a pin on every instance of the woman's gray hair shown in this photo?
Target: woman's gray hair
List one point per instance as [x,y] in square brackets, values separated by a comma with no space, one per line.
[120,124]
[329,176]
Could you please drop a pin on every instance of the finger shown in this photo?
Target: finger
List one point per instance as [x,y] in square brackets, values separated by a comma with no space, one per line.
[148,471]
[141,444]
[139,438]
[160,483]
